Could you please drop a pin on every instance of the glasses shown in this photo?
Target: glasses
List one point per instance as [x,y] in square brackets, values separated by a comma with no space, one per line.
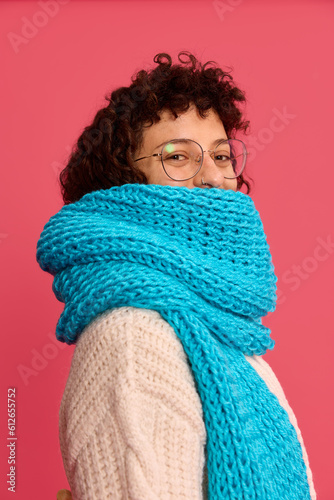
[182,159]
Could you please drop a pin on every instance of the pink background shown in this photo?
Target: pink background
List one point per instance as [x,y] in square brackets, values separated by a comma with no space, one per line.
[55,79]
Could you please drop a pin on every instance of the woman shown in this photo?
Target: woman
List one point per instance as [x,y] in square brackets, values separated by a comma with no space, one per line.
[165,273]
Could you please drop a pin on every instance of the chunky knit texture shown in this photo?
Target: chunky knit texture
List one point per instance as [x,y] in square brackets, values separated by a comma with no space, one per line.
[131,421]
[200,258]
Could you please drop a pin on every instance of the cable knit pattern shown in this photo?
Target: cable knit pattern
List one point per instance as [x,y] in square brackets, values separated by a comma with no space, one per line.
[130,423]
[200,259]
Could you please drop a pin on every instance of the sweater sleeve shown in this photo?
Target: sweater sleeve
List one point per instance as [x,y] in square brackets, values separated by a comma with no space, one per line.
[130,420]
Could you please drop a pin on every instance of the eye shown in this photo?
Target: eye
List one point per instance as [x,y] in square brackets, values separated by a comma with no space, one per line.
[176,157]
[222,157]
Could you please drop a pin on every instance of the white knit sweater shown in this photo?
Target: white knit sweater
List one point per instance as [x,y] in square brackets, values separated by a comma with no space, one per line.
[131,423]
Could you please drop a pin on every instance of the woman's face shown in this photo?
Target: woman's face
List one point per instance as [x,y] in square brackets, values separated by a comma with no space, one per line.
[206,131]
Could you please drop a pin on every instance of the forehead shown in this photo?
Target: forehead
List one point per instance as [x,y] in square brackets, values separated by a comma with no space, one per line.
[188,125]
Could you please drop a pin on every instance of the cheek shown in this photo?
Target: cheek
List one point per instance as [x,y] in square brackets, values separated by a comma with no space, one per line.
[156,175]
[231,184]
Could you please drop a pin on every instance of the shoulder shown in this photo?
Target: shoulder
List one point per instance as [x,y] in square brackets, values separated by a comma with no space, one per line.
[127,351]
[128,329]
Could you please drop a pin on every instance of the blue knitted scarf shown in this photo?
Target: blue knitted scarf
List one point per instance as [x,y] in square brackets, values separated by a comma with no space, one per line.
[200,258]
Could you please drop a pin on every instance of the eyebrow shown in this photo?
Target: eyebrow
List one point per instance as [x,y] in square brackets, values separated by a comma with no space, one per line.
[183,139]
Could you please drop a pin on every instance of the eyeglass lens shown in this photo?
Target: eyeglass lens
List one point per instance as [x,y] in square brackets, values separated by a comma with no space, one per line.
[182,158]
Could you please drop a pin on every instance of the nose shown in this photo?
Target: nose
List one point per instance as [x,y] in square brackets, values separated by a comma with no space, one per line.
[213,175]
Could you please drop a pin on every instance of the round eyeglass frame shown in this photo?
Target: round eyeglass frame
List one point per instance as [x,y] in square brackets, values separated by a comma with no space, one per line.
[245,153]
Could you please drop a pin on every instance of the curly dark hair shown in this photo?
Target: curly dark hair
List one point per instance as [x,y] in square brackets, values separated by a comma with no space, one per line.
[103,154]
